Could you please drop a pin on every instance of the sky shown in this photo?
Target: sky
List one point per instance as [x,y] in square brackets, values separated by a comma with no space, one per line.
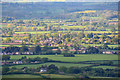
[60,0]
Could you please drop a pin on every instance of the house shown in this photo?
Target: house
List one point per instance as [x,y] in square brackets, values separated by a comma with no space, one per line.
[43,70]
[17,62]
[18,41]
[4,63]
[17,53]
[108,52]
[27,53]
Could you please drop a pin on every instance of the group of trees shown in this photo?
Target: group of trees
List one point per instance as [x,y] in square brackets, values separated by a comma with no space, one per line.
[52,69]
[38,50]
[6,57]
[31,60]
[12,49]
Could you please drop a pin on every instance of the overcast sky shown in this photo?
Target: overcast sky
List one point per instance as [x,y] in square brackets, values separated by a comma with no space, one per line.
[60,0]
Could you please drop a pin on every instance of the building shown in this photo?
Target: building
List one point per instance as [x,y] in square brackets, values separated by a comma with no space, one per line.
[108,52]
[17,62]
[43,70]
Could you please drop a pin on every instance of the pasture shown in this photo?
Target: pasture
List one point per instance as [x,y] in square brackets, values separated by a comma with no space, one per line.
[106,67]
[35,32]
[57,64]
[77,58]
[37,76]
[58,76]
[42,32]
[21,76]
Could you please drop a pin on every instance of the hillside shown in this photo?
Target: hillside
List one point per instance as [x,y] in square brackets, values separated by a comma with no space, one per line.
[51,9]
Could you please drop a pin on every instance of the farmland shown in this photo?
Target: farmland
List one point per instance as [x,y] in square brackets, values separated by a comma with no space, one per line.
[68,40]
[42,32]
[57,64]
[106,67]
[21,76]
[78,58]
[87,61]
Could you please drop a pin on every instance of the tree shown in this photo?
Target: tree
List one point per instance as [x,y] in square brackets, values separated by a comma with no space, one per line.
[11,49]
[5,57]
[68,55]
[105,46]
[63,69]
[92,50]
[29,36]
[37,49]
[74,70]
[8,40]
[52,69]
[5,70]
[58,51]
[90,35]
[24,49]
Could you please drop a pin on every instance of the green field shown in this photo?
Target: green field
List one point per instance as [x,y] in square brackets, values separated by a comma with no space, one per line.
[40,32]
[80,27]
[16,45]
[58,76]
[86,45]
[77,58]
[21,76]
[106,67]
[37,76]
[57,64]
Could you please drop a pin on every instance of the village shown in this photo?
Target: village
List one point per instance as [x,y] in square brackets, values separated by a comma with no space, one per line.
[72,44]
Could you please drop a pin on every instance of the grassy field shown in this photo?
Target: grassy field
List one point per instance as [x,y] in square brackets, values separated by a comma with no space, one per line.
[106,67]
[37,76]
[77,58]
[58,76]
[57,64]
[80,27]
[85,45]
[21,76]
[16,45]
[40,32]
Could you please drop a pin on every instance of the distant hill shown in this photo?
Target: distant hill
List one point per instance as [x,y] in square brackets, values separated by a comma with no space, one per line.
[51,9]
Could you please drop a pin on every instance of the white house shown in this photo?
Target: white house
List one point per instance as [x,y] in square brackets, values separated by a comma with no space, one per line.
[43,70]
[17,62]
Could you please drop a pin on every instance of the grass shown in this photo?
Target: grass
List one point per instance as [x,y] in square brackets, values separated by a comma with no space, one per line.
[57,64]
[21,76]
[106,67]
[86,45]
[16,45]
[40,32]
[99,32]
[96,17]
[77,58]
[75,27]
[37,76]
[58,76]
[113,46]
